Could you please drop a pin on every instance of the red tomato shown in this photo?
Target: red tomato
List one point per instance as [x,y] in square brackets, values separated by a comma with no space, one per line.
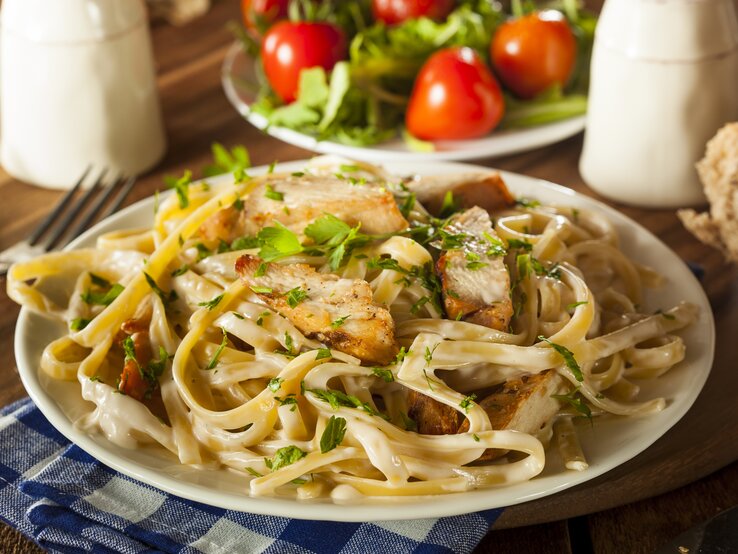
[397,11]
[534,52]
[455,96]
[289,47]
[266,11]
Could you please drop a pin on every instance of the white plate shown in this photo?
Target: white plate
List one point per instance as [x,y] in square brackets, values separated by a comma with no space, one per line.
[607,444]
[239,83]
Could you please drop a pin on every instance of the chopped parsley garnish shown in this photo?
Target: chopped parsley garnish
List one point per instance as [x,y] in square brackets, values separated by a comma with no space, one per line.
[475,437]
[284,456]
[236,161]
[349,168]
[323,353]
[453,294]
[568,356]
[336,323]
[244,243]
[180,271]
[181,186]
[576,401]
[422,301]
[238,204]
[262,290]
[79,323]
[202,251]
[429,353]
[152,371]
[166,297]
[449,205]
[237,315]
[335,238]
[338,399]
[497,247]
[290,399]
[518,244]
[253,472]
[527,202]
[261,270]
[295,296]
[401,355]
[218,351]
[272,194]
[334,432]
[385,374]
[424,274]
[272,165]
[408,422]
[298,173]
[466,403]
[262,315]
[527,264]
[573,305]
[277,242]
[275,384]
[289,345]
[430,380]
[211,304]
[103,297]
[408,204]
[473,262]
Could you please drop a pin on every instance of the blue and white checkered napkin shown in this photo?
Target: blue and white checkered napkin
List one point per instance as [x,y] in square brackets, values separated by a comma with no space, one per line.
[67,501]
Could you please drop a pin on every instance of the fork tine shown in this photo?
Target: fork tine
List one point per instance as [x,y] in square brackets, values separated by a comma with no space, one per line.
[72,213]
[124,192]
[95,208]
[46,223]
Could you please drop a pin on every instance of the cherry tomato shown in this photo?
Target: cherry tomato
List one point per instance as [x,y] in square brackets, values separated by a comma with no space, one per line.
[262,12]
[289,47]
[455,96]
[397,11]
[534,52]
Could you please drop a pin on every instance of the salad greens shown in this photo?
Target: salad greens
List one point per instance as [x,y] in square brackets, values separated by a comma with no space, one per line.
[363,99]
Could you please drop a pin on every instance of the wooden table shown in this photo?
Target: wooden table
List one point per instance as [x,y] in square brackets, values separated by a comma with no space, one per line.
[701,450]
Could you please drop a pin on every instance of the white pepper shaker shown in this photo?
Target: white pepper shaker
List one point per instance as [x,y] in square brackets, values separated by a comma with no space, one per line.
[664,79]
[77,88]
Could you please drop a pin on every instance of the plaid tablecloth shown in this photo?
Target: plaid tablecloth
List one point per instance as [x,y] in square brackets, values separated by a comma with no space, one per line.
[67,501]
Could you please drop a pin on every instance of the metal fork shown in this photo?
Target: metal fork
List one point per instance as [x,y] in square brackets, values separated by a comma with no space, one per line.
[60,222]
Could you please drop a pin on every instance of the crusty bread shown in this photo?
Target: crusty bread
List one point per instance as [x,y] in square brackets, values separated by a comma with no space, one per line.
[718,172]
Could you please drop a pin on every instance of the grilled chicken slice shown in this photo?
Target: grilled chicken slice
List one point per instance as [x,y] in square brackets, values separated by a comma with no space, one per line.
[484,189]
[524,404]
[475,281]
[338,312]
[431,416]
[296,201]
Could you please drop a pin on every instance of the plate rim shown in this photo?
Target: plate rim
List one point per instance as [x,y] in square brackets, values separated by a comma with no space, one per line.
[292,508]
[524,139]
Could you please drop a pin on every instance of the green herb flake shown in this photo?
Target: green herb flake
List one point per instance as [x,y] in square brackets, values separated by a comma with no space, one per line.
[79,323]
[323,354]
[449,205]
[497,247]
[576,401]
[475,437]
[261,270]
[275,384]
[289,400]
[336,323]
[181,186]
[408,423]
[262,290]
[253,472]
[211,304]
[277,242]
[338,399]
[102,298]
[273,194]
[333,434]
[262,315]
[400,357]
[284,456]
[238,316]
[517,244]
[180,270]
[527,202]
[568,356]
[385,374]
[573,305]
[467,402]
[295,297]
[408,204]
[218,351]
[244,243]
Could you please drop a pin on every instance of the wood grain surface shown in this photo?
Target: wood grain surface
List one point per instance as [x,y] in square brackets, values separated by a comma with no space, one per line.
[633,508]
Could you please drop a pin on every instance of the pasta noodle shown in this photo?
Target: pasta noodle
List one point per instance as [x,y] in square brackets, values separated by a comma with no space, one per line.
[229,379]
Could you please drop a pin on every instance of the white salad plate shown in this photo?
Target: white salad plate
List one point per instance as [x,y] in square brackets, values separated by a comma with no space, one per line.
[240,85]
[608,443]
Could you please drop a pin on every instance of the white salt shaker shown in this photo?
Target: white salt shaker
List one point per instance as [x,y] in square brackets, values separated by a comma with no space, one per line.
[664,79]
[77,87]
